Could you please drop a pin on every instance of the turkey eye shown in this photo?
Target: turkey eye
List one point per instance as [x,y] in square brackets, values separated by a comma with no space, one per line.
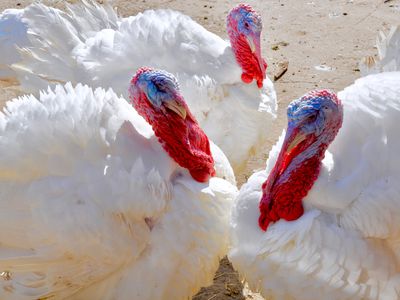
[160,88]
[311,118]
[246,25]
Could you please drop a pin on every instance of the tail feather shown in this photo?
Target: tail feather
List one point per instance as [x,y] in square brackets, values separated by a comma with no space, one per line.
[388,54]
[13,32]
[53,37]
[91,17]
[389,50]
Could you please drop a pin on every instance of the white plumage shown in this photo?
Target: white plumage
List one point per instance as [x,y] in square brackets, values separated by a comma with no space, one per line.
[12,32]
[100,49]
[92,207]
[85,21]
[388,54]
[347,243]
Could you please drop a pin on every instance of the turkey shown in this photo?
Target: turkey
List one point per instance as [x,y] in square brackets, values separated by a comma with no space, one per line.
[96,203]
[100,49]
[323,219]
[388,54]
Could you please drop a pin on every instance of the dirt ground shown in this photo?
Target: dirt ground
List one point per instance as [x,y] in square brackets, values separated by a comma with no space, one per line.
[323,41]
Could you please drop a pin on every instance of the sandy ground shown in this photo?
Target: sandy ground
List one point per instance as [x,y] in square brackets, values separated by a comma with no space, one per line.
[334,34]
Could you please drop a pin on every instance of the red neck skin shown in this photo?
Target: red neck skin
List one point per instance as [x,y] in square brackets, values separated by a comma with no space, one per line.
[253,65]
[184,140]
[289,182]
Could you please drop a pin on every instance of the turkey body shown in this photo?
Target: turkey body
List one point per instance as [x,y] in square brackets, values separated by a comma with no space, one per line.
[90,44]
[346,244]
[92,207]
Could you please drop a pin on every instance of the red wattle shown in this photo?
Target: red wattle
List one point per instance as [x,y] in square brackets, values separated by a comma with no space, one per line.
[260,80]
[183,140]
[284,200]
[247,78]
[202,175]
[248,61]
[265,64]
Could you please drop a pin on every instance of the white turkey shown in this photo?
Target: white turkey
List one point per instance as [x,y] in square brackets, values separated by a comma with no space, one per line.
[98,204]
[322,221]
[92,45]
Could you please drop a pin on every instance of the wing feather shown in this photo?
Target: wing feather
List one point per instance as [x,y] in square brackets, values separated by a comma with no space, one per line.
[73,194]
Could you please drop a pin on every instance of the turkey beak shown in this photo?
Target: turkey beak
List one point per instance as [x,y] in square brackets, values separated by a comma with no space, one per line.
[295,141]
[251,43]
[177,108]
[254,44]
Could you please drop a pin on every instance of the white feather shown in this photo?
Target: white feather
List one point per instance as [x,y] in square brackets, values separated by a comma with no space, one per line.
[92,207]
[346,245]
[84,48]
[13,32]
[388,54]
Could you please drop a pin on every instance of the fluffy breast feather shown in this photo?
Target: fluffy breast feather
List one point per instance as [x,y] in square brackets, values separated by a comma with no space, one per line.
[345,245]
[90,201]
